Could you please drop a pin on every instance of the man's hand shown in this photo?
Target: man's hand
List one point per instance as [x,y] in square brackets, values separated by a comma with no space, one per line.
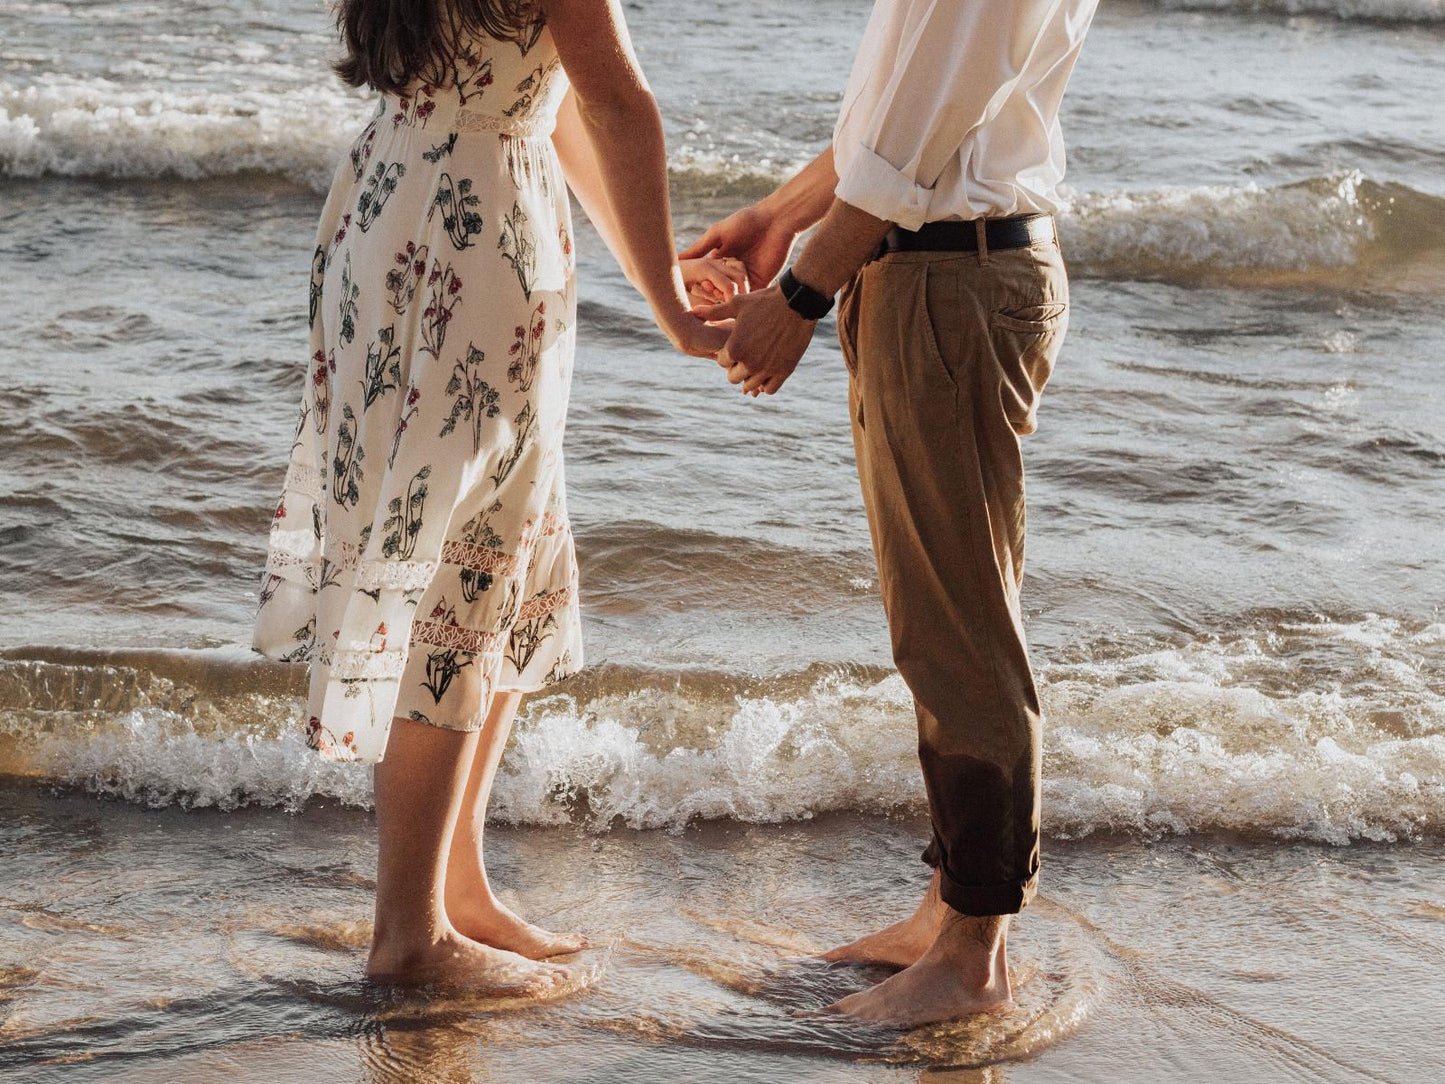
[767,341]
[761,240]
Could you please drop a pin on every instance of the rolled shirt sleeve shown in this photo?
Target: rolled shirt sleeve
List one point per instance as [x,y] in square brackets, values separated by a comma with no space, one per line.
[928,73]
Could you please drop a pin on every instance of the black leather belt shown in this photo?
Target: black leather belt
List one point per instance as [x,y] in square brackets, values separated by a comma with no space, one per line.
[1020,231]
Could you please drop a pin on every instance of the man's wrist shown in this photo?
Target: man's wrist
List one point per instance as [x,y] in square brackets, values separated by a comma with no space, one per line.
[840,246]
[819,271]
[779,213]
[798,204]
[808,302]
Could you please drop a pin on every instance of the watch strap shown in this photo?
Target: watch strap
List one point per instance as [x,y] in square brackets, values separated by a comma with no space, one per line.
[807,302]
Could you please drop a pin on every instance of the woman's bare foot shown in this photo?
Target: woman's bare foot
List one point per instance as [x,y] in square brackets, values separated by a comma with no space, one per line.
[471,906]
[453,960]
[486,919]
[964,971]
[901,944]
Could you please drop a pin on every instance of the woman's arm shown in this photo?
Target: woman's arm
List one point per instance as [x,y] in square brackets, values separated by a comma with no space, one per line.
[624,187]
[708,279]
[584,177]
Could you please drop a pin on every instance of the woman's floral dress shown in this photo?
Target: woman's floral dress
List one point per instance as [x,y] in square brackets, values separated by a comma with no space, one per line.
[420,557]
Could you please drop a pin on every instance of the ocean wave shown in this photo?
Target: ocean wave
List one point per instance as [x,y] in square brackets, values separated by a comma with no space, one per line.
[1365,11]
[1316,228]
[80,127]
[1307,729]
[1319,226]
[1308,231]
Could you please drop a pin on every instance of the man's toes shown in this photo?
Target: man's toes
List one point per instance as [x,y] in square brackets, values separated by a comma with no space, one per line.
[854,1005]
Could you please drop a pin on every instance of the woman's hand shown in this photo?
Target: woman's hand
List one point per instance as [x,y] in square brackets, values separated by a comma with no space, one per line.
[692,335]
[713,279]
[759,238]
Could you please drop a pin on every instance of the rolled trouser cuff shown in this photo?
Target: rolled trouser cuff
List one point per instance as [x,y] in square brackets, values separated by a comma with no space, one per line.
[1001,898]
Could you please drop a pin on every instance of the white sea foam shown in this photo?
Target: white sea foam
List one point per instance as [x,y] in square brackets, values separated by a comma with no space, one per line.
[97,128]
[158,757]
[78,127]
[1320,224]
[1327,731]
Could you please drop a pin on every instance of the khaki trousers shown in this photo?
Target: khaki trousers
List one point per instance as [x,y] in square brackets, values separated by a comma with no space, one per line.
[947,355]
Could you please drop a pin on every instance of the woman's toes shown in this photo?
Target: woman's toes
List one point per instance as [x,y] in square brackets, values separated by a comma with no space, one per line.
[569,942]
[553,978]
[564,976]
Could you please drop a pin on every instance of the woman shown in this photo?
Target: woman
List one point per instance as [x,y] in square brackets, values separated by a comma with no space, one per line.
[421,559]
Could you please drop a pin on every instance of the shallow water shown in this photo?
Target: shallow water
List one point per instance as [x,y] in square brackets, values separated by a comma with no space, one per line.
[165,945]
[1233,591]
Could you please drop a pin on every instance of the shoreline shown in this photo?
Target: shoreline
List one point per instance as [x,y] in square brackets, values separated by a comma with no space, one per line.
[148,945]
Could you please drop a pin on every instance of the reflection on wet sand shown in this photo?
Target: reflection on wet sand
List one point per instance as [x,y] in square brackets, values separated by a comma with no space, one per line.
[150,946]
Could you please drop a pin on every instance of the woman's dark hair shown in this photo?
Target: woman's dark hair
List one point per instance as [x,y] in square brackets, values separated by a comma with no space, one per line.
[391,44]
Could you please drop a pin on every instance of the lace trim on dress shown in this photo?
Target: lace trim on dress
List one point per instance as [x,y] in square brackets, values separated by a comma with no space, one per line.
[544,604]
[299,546]
[434,634]
[552,524]
[303,478]
[278,563]
[472,120]
[297,550]
[480,558]
[395,575]
[364,665]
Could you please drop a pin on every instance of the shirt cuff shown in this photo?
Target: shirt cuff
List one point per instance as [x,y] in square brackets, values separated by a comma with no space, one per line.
[871,184]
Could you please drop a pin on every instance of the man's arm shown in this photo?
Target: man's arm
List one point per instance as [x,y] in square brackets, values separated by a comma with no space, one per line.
[762,235]
[842,244]
[769,338]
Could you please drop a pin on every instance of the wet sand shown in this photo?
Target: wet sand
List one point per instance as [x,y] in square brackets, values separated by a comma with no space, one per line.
[1233,592]
[172,945]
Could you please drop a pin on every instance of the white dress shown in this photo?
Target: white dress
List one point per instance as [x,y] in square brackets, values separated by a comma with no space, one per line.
[420,557]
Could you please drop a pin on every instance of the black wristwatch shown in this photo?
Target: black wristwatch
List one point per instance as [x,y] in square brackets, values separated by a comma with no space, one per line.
[807,302]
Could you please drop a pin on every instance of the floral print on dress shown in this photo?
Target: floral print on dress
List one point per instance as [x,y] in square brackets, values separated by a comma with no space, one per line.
[457,202]
[420,557]
[518,248]
[402,280]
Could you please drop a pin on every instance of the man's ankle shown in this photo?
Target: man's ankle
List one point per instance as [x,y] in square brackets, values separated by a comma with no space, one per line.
[971,937]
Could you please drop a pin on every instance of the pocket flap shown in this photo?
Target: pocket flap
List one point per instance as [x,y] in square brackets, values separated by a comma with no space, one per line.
[1033,320]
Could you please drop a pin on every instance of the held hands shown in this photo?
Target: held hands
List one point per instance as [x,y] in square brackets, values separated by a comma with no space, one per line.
[690,334]
[767,341]
[699,282]
[751,235]
[767,337]
[713,279]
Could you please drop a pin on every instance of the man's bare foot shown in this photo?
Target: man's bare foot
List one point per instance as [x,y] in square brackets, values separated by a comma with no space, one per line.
[488,920]
[901,944]
[453,960]
[964,971]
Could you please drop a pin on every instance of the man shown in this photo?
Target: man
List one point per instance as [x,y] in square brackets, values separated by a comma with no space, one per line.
[936,199]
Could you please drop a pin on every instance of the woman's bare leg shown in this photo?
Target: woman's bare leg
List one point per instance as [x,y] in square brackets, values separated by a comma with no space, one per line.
[419,791]
[470,902]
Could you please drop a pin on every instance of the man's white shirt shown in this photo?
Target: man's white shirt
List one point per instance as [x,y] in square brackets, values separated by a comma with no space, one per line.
[952,110]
